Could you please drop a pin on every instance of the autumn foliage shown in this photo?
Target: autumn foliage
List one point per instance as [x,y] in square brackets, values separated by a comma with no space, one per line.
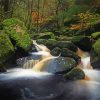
[37,17]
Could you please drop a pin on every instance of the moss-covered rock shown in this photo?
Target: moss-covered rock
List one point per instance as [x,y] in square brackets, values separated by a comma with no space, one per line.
[94,59]
[46,35]
[6,48]
[68,53]
[58,65]
[67,44]
[95,55]
[50,43]
[96,35]
[83,42]
[17,33]
[64,52]
[56,51]
[96,47]
[75,74]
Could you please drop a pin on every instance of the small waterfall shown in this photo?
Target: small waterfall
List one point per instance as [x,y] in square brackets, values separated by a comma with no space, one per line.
[40,47]
[92,75]
[35,57]
[85,59]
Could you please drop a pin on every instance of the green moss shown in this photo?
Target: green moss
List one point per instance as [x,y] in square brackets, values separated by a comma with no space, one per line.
[41,41]
[96,35]
[63,38]
[6,48]
[77,38]
[75,74]
[46,35]
[96,47]
[13,22]
[74,10]
[51,42]
[16,31]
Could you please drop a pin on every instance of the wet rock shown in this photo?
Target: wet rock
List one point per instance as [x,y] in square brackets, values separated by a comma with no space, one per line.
[55,65]
[50,43]
[2,69]
[56,51]
[75,74]
[68,53]
[94,60]
[64,52]
[95,54]
[67,44]
[84,43]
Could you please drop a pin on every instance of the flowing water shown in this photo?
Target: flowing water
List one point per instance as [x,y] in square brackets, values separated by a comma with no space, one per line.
[88,89]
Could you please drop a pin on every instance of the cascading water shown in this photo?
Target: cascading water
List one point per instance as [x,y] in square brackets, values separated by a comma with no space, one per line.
[85,59]
[31,85]
[91,74]
[34,57]
[41,59]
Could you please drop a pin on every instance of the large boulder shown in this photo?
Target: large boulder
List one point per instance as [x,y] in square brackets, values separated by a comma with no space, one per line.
[82,42]
[6,49]
[58,65]
[95,55]
[18,35]
[67,44]
[64,52]
[56,51]
[75,74]
[50,43]
[68,53]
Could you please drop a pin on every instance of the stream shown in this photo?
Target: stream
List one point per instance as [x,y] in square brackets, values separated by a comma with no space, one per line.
[29,83]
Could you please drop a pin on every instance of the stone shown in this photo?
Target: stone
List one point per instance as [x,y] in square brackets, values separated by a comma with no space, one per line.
[75,74]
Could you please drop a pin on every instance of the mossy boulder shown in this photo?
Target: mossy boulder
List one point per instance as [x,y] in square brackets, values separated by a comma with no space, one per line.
[75,74]
[95,55]
[96,35]
[67,44]
[6,48]
[58,65]
[96,47]
[68,53]
[94,59]
[56,51]
[50,43]
[64,52]
[83,42]
[17,33]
